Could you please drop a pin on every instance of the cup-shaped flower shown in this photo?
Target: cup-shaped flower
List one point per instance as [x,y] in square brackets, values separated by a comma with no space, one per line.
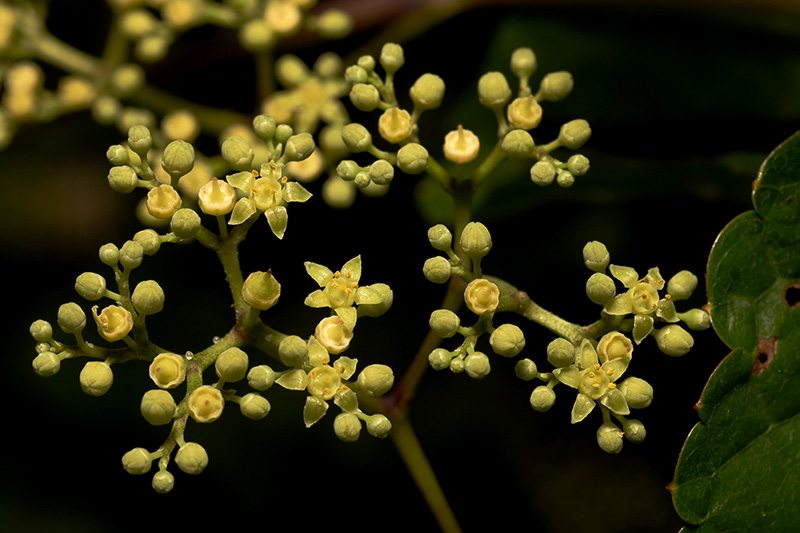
[205,404]
[266,193]
[216,198]
[482,296]
[395,125]
[332,334]
[461,146]
[163,201]
[612,345]
[524,113]
[261,290]
[323,382]
[113,322]
[168,370]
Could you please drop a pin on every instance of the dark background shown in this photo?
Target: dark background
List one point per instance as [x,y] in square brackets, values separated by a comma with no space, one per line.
[684,105]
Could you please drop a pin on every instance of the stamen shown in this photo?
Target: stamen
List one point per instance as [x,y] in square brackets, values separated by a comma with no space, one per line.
[612,386]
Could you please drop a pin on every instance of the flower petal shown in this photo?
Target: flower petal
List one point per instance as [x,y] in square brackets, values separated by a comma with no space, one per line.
[666,310]
[349,315]
[587,355]
[568,375]
[241,180]
[319,273]
[614,368]
[615,401]
[642,326]
[620,305]
[294,192]
[581,408]
[626,275]
[317,299]
[314,410]
[317,354]
[277,218]
[242,210]
[369,296]
[354,268]
[295,379]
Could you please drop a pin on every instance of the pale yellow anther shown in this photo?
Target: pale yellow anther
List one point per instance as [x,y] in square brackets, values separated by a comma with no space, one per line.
[284,180]
[313,374]
[354,284]
[255,173]
[272,165]
[596,385]
[348,274]
[334,285]
[348,290]
[597,366]
[337,274]
[610,371]
[343,387]
[612,385]
[591,374]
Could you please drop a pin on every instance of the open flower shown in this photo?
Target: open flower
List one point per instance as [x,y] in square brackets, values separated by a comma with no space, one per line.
[113,322]
[168,370]
[482,296]
[205,403]
[332,333]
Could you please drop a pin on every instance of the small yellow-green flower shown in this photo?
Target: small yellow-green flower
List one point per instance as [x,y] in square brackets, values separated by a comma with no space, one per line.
[205,404]
[113,322]
[167,370]
[482,296]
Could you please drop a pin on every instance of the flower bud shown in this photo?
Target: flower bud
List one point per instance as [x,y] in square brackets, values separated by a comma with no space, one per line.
[237,153]
[365,97]
[137,461]
[283,17]
[131,254]
[254,406]
[600,288]
[674,340]
[381,172]
[457,365]
[91,286]
[444,323]
[191,458]
[437,269]
[126,79]
[139,139]
[578,164]
[333,335]
[517,144]
[638,393]
[555,86]
[427,92]
[392,57]
[46,364]
[261,290]
[376,380]
[696,319]
[216,198]
[476,241]
[231,365]
[149,241]
[158,407]
[299,147]
[542,398]
[461,146]
[71,318]
[167,370]
[439,359]
[440,237]
[634,430]
[264,127]
[395,125]
[347,427]
[356,137]
[524,112]
[574,133]
[374,310]
[178,158]
[109,254]
[290,70]
[334,24]
[596,256]
[412,158]
[205,404]
[261,377]
[122,179]
[148,298]
[523,62]
[482,296]
[113,322]
[682,285]
[609,437]
[613,345]
[96,378]
[493,90]
[41,330]
[292,351]
[564,178]
[348,169]
[543,173]
[379,426]
[477,365]
[163,482]
[163,201]
[525,369]
[560,353]
[507,340]
[185,223]
[355,74]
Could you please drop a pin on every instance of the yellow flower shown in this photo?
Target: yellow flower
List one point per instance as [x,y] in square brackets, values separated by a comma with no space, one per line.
[113,322]
[205,404]
[482,296]
[168,370]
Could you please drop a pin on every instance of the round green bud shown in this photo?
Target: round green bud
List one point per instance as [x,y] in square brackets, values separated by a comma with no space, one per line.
[376,380]
[365,97]
[523,62]
[334,24]
[122,179]
[379,426]
[682,285]
[556,86]
[282,133]
[157,407]
[367,62]
[347,427]
[525,369]
[427,92]
[696,319]
[444,323]
[356,137]
[264,127]
[261,377]
[564,178]
[105,109]
[560,353]
[261,290]
[392,57]
[600,288]
[634,430]
[578,164]
[117,155]
[191,458]
[542,398]
[437,269]
[507,340]
[356,74]
[517,144]
[137,461]
[574,133]
[136,23]
[457,365]
[362,180]
[543,173]
[440,237]
[674,340]
[148,298]
[596,256]
[131,254]
[109,254]
[91,286]
[231,365]
[374,310]
[476,241]
[290,70]
[412,158]
[293,351]
[139,139]
[237,153]
[178,158]
[439,359]
[46,364]
[96,378]
[348,169]
[381,172]
[256,35]
[71,318]
[125,79]
[152,47]
[638,393]
[254,406]
[493,90]
[149,241]
[609,437]
[163,482]
[477,365]
[185,223]
[299,147]
[41,330]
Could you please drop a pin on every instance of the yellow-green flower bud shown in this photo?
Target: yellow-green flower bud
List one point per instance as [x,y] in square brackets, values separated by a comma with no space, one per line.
[152,47]
[254,406]
[163,482]
[564,178]
[440,237]
[613,345]
[158,407]
[439,359]
[638,393]
[493,90]
[482,296]
[682,285]
[216,198]
[299,147]
[264,127]
[71,318]
[261,290]
[163,201]
[347,427]
[149,241]
[427,92]
[91,286]
[333,24]
[261,377]
[395,125]
[178,158]
[96,378]
[379,426]
[526,369]
[109,254]
[137,23]
[237,153]
[126,79]
[205,404]
[600,288]
[524,112]
[457,365]
[46,364]
[148,298]
[476,241]
[374,310]
[437,269]
[560,353]
[355,74]
[444,323]
[185,223]
[356,137]
[231,365]
[596,256]
[381,172]
[392,57]
[412,158]
[131,254]
[41,330]
[139,139]
[333,335]
[367,62]
[578,164]
[634,430]
[543,173]
[376,380]
[191,458]
[477,365]
[542,398]
[290,70]
[674,340]
[696,319]
[523,62]
[461,146]
[365,97]
[507,340]
[137,461]
[609,437]
[574,133]
[122,179]
[113,322]
[167,370]
[348,169]
[556,86]
[293,351]
[517,144]
[256,35]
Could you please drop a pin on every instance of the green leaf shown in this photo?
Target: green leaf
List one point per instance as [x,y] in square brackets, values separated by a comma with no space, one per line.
[740,466]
